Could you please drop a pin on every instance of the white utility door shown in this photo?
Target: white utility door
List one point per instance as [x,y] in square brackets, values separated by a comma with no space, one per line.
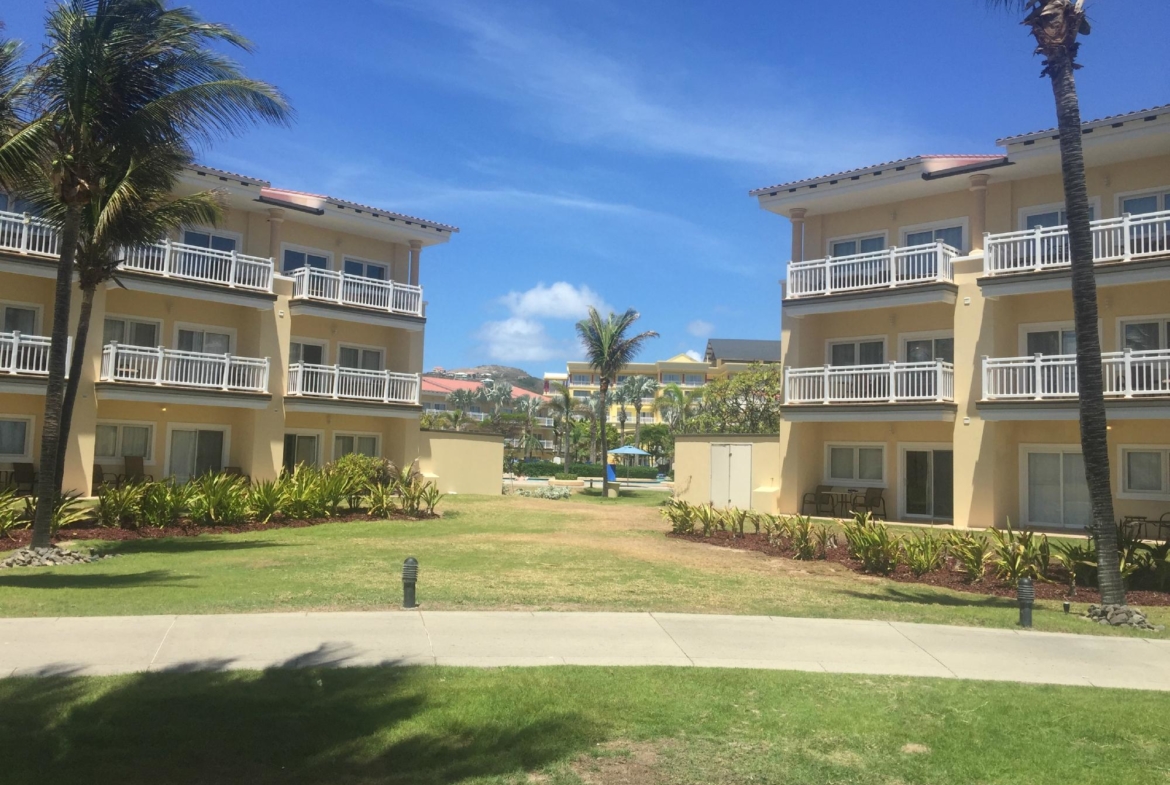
[731,475]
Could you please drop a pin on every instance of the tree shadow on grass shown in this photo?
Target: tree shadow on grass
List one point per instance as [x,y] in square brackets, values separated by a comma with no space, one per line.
[933,598]
[77,580]
[178,545]
[310,725]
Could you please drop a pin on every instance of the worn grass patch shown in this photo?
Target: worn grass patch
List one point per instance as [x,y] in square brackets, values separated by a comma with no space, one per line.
[568,726]
[492,553]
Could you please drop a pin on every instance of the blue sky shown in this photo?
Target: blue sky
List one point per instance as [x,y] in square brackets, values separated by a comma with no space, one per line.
[601,152]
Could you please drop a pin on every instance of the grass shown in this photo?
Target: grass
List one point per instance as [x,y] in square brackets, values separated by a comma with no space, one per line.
[587,553]
[566,726]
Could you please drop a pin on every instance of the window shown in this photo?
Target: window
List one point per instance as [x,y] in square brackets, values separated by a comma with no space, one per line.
[1147,203]
[1056,488]
[345,443]
[1144,471]
[695,379]
[196,452]
[299,448]
[114,440]
[366,269]
[857,245]
[14,437]
[857,353]
[207,239]
[1050,342]
[672,378]
[356,357]
[204,341]
[1049,218]
[951,235]
[130,331]
[1145,335]
[295,259]
[16,205]
[580,393]
[857,464]
[925,350]
[621,377]
[20,319]
[311,353]
[582,378]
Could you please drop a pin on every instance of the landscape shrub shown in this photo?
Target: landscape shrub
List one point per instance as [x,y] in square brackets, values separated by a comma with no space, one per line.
[164,502]
[872,544]
[825,539]
[924,552]
[431,497]
[1018,555]
[554,492]
[265,500]
[361,472]
[564,476]
[800,535]
[301,493]
[9,512]
[597,469]
[681,516]
[120,506]
[708,519]
[219,500]
[381,500]
[68,509]
[972,552]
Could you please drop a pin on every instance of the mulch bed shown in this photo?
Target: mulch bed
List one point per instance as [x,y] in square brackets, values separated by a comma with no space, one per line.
[22,537]
[949,577]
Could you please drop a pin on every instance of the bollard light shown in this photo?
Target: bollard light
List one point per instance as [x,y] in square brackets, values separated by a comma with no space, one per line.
[409,579]
[1026,595]
[1067,606]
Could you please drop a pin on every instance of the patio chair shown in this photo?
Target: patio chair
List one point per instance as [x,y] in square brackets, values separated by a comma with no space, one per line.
[103,476]
[24,475]
[872,501]
[820,499]
[135,472]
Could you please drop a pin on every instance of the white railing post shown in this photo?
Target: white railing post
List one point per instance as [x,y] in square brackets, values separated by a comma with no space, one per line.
[386,387]
[987,265]
[890,259]
[227,369]
[939,375]
[108,373]
[168,257]
[336,380]
[340,288]
[939,258]
[264,374]
[893,376]
[1127,365]
[15,352]
[828,277]
[158,372]
[1127,243]
[25,233]
[825,387]
[986,370]
[233,265]
[787,383]
[1037,245]
[1039,376]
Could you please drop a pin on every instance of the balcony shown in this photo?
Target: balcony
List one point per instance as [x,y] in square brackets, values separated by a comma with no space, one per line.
[338,288]
[544,422]
[891,383]
[1127,374]
[159,367]
[28,355]
[352,384]
[31,236]
[892,268]
[1129,238]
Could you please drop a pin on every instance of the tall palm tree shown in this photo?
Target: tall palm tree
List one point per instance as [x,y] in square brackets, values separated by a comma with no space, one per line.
[1056,25]
[117,80]
[638,389]
[609,348]
[563,406]
[133,208]
[456,419]
[529,407]
[620,397]
[594,405]
[13,91]
[462,400]
[676,406]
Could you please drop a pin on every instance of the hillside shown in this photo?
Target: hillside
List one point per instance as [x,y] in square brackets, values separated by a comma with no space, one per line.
[517,377]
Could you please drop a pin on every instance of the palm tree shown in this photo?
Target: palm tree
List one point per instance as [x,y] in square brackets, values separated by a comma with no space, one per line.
[609,349]
[118,80]
[1056,24]
[462,400]
[13,90]
[594,405]
[134,208]
[456,419]
[676,406]
[621,399]
[529,406]
[639,388]
[564,405]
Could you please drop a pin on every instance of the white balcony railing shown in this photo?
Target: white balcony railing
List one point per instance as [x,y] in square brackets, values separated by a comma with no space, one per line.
[888,269]
[544,422]
[547,444]
[477,416]
[1123,239]
[28,355]
[31,236]
[890,383]
[356,384]
[207,265]
[173,368]
[1127,374]
[344,289]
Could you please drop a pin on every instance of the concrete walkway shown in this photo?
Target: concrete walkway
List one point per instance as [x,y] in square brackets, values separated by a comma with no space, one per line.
[125,644]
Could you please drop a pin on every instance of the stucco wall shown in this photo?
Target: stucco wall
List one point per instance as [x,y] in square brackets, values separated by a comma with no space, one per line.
[692,467]
[462,462]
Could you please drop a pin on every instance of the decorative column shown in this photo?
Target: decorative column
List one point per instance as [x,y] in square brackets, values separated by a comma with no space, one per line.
[275,219]
[978,226]
[415,254]
[796,215]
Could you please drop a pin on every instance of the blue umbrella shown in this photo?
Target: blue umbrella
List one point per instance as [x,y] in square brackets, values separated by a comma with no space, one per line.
[629,449]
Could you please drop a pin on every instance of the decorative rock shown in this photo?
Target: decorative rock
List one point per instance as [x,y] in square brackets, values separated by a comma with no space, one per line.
[1119,616]
[50,557]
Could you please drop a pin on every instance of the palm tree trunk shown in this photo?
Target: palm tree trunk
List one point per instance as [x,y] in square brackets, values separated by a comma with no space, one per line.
[638,424]
[46,488]
[604,447]
[593,438]
[81,336]
[1094,434]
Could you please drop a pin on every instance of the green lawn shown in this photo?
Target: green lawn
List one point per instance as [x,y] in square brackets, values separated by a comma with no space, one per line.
[490,553]
[639,726]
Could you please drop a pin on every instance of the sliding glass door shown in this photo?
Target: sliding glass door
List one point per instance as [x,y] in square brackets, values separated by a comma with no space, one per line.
[1057,492]
[928,483]
[195,452]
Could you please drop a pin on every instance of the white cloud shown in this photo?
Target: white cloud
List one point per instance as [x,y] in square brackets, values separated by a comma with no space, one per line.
[700,328]
[694,355]
[517,340]
[561,300]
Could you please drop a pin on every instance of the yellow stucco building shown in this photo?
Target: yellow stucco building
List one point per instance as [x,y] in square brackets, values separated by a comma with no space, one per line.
[927,336]
[292,332]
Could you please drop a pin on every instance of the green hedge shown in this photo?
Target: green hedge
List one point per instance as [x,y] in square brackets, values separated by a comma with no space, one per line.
[550,469]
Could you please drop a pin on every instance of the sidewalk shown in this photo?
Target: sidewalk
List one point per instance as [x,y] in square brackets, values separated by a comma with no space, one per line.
[126,644]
